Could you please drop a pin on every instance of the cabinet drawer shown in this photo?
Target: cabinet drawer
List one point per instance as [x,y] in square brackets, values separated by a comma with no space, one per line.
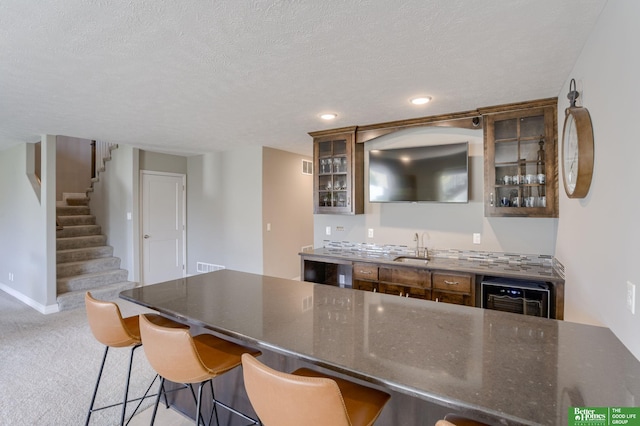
[452,282]
[365,285]
[455,298]
[408,276]
[398,290]
[365,271]
[418,293]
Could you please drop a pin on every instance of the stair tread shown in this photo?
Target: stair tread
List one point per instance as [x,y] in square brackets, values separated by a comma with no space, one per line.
[81,236]
[76,250]
[94,274]
[75,298]
[101,288]
[96,260]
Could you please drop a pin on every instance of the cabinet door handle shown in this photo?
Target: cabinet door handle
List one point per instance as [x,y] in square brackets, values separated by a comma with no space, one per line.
[491,199]
[451,282]
[365,272]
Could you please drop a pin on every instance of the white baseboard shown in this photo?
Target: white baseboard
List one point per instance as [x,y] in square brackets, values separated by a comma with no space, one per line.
[43,309]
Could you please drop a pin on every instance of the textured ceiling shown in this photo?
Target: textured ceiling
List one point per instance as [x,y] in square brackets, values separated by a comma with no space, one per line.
[193,76]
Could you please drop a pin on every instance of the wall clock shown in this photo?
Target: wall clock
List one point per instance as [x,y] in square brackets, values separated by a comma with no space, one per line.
[577,148]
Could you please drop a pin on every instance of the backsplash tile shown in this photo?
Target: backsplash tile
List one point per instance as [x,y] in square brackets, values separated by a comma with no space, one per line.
[471,255]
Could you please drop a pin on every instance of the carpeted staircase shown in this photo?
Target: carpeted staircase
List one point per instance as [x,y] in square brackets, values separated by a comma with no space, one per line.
[84,260]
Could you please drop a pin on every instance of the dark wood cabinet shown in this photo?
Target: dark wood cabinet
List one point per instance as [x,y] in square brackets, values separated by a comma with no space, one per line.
[520,161]
[405,281]
[458,288]
[338,176]
[419,283]
[448,286]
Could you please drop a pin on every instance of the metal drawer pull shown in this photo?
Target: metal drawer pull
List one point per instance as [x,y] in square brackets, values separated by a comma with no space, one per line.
[451,282]
[365,272]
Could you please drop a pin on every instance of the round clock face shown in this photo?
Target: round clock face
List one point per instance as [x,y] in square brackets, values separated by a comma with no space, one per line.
[577,152]
[570,154]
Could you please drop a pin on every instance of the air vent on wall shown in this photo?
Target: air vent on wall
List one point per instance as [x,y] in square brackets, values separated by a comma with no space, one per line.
[307,167]
[202,267]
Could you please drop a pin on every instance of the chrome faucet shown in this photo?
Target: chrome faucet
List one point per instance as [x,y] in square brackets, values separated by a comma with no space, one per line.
[420,244]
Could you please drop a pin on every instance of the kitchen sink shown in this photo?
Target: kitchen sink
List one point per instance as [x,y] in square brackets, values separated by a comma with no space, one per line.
[411,260]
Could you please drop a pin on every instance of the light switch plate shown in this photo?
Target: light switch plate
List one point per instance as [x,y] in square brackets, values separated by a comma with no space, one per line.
[370,233]
[328,230]
[631,297]
[476,238]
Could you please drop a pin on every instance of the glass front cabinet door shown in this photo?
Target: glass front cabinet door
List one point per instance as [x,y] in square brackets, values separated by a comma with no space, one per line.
[338,172]
[520,153]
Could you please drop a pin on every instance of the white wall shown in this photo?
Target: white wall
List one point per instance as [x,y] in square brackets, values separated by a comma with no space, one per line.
[598,236]
[160,162]
[27,233]
[116,194]
[224,210]
[446,225]
[205,198]
[242,209]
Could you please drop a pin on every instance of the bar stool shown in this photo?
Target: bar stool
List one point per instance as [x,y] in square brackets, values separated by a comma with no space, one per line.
[113,331]
[309,397]
[181,358]
[457,420]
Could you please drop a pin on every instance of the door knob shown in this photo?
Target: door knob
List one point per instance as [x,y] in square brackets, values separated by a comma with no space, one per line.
[146,236]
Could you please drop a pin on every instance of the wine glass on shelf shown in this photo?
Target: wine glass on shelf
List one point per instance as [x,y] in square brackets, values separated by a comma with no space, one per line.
[323,165]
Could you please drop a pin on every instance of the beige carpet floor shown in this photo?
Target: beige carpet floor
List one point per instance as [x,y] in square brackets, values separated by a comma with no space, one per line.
[49,364]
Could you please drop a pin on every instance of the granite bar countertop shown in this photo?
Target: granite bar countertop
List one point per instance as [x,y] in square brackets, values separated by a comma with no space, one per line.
[501,367]
[510,266]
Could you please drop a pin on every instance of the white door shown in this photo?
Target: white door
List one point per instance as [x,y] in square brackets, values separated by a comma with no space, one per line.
[163,226]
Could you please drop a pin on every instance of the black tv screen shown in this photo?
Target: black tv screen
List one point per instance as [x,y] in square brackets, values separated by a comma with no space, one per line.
[438,173]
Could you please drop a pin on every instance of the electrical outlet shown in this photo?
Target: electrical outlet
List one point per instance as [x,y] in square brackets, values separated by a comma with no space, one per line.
[370,233]
[10,276]
[340,228]
[476,238]
[631,297]
[327,230]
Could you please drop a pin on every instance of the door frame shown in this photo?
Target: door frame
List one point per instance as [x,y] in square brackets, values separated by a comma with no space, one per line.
[141,217]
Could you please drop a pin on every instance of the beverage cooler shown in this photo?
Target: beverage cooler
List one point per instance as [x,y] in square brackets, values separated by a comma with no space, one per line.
[517,296]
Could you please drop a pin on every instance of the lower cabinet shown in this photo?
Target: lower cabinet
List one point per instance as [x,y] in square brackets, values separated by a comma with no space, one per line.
[455,288]
[420,283]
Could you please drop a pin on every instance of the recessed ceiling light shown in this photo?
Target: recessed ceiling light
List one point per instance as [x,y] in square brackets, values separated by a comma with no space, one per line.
[421,100]
[328,116]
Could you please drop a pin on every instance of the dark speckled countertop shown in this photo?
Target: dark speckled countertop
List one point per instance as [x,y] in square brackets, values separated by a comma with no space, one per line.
[503,367]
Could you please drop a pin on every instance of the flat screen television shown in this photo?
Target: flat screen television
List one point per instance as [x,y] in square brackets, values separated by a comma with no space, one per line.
[436,173]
